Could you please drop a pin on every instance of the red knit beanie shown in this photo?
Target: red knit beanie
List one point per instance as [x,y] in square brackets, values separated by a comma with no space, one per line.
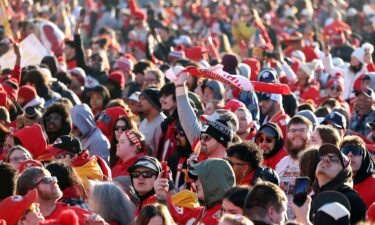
[118,77]
[27,93]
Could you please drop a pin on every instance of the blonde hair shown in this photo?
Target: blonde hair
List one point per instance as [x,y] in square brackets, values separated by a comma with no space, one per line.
[235,220]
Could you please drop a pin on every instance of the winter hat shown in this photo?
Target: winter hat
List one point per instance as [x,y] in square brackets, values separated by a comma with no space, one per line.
[359,54]
[310,67]
[217,87]
[13,207]
[107,120]
[267,75]
[117,77]
[233,104]
[27,93]
[335,119]
[245,70]
[220,130]
[310,116]
[147,162]
[11,88]
[68,144]
[29,164]
[124,64]
[223,115]
[331,207]
[152,96]
[254,67]
[78,73]
[230,63]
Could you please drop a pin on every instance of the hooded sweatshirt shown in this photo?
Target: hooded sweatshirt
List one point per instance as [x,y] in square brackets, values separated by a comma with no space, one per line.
[364,179]
[216,176]
[278,152]
[91,137]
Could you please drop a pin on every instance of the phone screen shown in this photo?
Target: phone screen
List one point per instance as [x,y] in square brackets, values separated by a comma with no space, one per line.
[301,190]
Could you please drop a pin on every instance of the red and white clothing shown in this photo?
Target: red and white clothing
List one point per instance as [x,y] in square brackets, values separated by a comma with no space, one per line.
[51,37]
[274,160]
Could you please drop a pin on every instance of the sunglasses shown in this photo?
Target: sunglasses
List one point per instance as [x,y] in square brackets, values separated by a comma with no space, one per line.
[355,150]
[46,180]
[331,158]
[205,137]
[144,174]
[122,128]
[267,139]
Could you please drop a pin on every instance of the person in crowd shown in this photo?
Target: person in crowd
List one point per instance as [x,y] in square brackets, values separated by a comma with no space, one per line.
[84,128]
[271,106]
[364,111]
[213,89]
[246,160]
[337,121]
[246,124]
[56,121]
[153,78]
[17,155]
[308,162]
[271,142]
[102,199]
[234,220]
[115,84]
[153,117]
[334,173]
[266,203]
[234,199]
[121,124]
[8,180]
[98,98]
[363,166]
[323,134]
[68,150]
[107,119]
[130,147]
[73,192]
[154,214]
[167,143]
[21,209]
[48,193]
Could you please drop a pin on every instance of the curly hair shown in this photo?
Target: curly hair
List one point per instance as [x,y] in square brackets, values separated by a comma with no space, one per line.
[247,152]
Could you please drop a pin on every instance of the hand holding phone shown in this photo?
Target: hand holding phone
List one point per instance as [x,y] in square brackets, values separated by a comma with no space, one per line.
[301,190]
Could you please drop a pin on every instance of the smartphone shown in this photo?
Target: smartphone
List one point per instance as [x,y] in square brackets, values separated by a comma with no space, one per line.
[301,190]
[164,168]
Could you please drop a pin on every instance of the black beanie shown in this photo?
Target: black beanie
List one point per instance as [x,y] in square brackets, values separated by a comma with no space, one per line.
[220,131]
[152,96]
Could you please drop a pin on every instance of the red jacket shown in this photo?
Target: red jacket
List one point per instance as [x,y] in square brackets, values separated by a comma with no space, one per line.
[202,216]
[365,189]
[121,167]
[60,207]
[274,160]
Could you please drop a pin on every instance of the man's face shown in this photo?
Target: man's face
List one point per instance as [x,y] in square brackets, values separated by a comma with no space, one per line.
[208,144]
[243,122]
[181,140]
[144,182]
[266,143]
[139,78]
[298,135]
[328,167]
[167,102]
[145,105]
[53,123]
[96,101]
[363,104]
[240,168]
[208,94]
[76,86]
[96,62]
[47,187]
[267,106]
[278,216]
[69,52]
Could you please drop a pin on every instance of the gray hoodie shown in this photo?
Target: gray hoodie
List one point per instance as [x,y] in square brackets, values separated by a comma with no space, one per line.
[91,137]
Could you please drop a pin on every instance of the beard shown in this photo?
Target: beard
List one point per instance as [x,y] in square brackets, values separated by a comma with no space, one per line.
[356,69]
[294,151]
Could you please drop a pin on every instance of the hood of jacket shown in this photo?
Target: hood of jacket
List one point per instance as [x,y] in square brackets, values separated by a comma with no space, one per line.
[33,139]
[367,168]
[278,135]
[107,120]
[83,119]
[216,176]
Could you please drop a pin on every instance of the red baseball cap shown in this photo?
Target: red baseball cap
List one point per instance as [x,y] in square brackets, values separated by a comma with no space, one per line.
[13,207]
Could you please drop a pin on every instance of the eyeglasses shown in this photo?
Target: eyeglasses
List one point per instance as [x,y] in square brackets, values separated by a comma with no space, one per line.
[19,159]
[267,139]
[54,118]
[122,128]
[332,158]
[298,130]
[144,174]
[205,137]
[236,164]
[46,180]
[355,150]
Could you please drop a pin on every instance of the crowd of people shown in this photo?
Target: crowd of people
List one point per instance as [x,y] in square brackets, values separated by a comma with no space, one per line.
[112,127]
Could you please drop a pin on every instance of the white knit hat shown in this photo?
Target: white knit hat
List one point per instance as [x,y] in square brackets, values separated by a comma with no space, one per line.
[359,53]
[310,67]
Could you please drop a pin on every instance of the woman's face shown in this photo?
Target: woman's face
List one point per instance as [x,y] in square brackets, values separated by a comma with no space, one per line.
[124,147]
[96,101]
[120,127]
[227,207]
[315,138]
[17,157]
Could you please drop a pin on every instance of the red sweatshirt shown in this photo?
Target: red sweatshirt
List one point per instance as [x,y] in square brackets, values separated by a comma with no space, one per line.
[365,189]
